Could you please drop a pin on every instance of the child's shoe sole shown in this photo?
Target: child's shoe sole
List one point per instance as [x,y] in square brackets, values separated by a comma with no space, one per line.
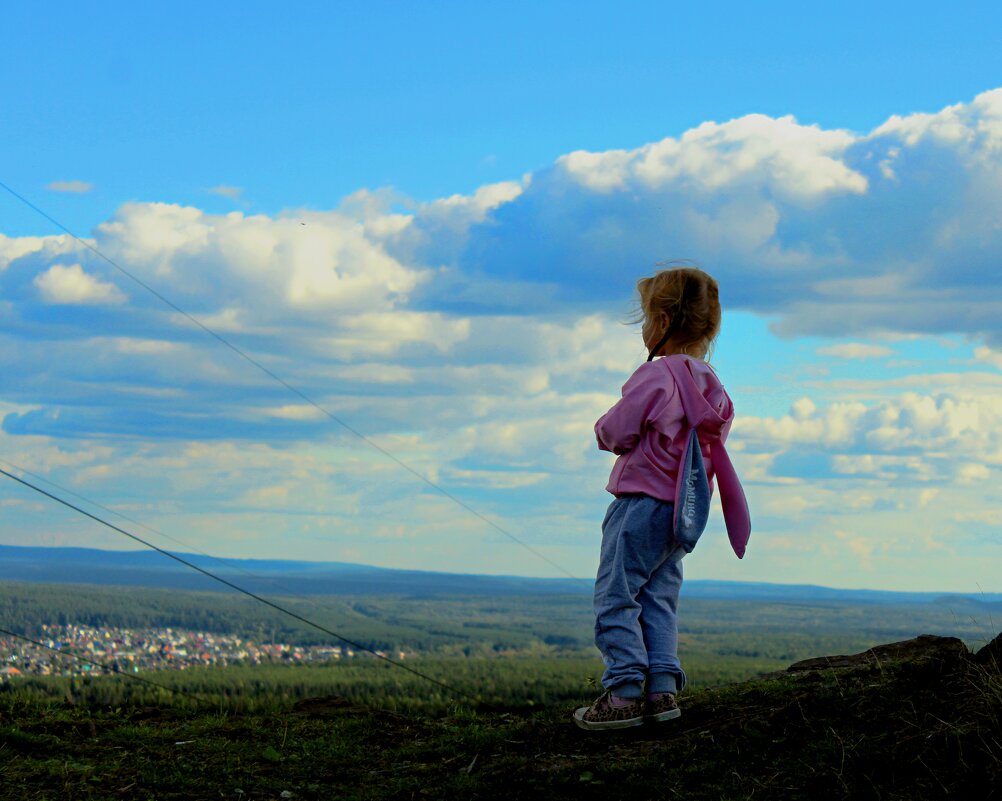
[671,714]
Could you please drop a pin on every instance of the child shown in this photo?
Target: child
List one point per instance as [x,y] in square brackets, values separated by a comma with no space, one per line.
[668,431]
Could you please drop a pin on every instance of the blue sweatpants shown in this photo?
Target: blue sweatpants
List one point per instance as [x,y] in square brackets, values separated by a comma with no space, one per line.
[636,597]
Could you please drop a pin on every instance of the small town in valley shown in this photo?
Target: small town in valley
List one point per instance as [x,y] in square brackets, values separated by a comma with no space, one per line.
[71,650]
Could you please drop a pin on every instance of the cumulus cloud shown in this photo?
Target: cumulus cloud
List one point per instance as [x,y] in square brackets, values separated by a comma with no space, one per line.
[272,265]
[928,438]
[69,284]
[831,231]
[834,232]
[43,248]
[800,162]
[479,336]
[74,187]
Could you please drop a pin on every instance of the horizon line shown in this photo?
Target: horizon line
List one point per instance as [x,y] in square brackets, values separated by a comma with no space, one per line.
[556,579]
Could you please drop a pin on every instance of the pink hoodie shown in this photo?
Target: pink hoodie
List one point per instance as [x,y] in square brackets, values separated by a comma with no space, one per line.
[649,427]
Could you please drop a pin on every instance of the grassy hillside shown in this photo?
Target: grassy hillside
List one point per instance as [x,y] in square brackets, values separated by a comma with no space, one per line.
[915,724]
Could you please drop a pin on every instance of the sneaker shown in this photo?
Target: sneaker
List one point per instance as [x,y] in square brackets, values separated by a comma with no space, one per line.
[604,715]
[661,706]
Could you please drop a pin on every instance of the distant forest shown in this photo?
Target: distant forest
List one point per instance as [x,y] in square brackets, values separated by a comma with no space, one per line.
[509,625]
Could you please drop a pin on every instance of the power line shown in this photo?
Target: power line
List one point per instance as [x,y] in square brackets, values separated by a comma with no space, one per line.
[113,668]
[254,362]
[85,499]
[298,393]
[159,533]
[239,589]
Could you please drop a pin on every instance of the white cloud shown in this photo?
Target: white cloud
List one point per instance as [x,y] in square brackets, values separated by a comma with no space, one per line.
[601,172]
[911,438]
[224,321]
[494,479]
[274,266]
[478,338]
[230,192]
[797,161]
[834,233]
[295,411]
[990,356]
[336,267]
[154,234]
[803,408]
[475,207]
[374,373]
[70,285]
[958,124]
[384,332]
[74,187]
[143,347]
[771,206]
[46,247]
[840,424]
[971,473]
[855,350]
[883,467]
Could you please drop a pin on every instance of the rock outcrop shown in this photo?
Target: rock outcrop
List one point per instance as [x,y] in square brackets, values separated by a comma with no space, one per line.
[991,654]
[922,648]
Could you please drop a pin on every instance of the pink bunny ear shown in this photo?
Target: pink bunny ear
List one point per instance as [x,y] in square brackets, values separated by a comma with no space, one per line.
[732,497]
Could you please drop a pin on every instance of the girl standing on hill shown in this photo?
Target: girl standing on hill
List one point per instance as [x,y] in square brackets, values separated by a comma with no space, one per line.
[668,431]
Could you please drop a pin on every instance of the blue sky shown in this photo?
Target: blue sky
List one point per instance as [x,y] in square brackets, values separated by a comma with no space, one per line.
[430,219]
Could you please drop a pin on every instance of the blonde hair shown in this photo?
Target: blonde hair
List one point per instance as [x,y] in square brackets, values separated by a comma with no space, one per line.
[691,298]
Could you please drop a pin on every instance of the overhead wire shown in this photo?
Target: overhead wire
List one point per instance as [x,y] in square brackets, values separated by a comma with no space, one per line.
[294,390]
[303,396]
[286,591]
[238,588]
[192,548]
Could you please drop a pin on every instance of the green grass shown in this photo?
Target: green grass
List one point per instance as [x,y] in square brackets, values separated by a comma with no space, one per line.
[513,682]
[363,730]
[913,730]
